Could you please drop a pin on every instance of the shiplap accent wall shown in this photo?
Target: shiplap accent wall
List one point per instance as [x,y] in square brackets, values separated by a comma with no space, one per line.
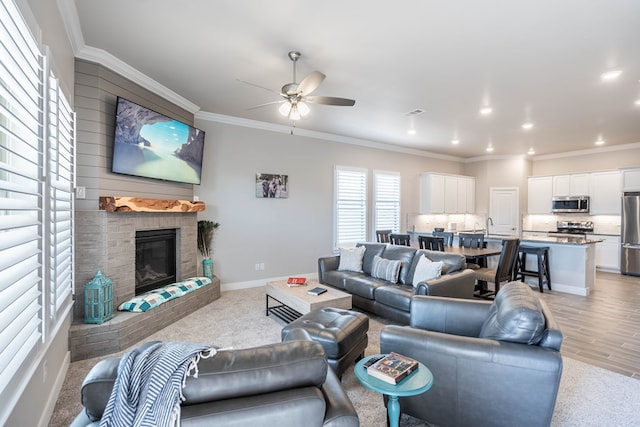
[96,92]
[105,241]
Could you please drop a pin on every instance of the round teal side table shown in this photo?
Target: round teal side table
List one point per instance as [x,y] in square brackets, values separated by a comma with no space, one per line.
[416,383]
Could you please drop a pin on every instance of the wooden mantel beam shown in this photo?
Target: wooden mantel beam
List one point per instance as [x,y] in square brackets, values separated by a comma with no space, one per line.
[138,204]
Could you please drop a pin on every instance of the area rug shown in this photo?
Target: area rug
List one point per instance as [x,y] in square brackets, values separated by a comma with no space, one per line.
[588,395]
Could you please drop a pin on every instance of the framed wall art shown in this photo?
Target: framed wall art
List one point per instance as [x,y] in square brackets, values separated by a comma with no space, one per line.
[272,186]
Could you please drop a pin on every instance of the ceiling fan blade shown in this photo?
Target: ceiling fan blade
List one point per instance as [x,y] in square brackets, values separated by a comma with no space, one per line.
[310,83]
[329,100]
[265,104]
[258,86]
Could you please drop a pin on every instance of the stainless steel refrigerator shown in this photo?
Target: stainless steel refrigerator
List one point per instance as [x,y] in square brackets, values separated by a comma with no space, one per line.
[630,251]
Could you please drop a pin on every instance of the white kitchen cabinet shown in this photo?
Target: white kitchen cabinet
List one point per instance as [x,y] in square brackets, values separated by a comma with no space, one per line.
[605,193]
[571,185]
[607,252]
[631,180]
[466,195]
[431,193]
[540,191]
[449,194]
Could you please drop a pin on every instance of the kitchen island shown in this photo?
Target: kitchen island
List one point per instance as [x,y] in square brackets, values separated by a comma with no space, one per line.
[571,260]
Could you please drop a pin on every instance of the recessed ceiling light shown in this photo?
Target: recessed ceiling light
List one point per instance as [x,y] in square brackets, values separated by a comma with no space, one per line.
[527,126]
[411,131]
[637,102]
[600,141]
[531,151]
[611,75]
[489,149]
[485,111]
[455,141]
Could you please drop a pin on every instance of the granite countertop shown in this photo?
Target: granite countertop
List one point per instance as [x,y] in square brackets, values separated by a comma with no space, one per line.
[564,240]
[567,240]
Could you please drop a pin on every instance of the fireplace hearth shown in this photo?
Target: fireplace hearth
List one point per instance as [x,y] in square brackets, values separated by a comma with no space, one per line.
[155,259]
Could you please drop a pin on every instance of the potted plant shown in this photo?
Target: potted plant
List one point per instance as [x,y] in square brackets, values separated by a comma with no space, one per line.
[206,230]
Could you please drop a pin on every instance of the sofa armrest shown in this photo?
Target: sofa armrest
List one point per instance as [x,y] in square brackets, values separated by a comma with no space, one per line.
[340,411]
[448,315]
[258,370]
[459,284]
[329,263]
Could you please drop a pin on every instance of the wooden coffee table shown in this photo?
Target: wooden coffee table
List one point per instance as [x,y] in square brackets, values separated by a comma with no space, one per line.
[293,302]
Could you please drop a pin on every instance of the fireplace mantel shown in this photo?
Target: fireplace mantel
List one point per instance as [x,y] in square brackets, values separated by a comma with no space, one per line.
[138,204]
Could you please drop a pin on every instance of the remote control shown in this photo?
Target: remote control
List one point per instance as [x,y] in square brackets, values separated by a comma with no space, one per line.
[372,361]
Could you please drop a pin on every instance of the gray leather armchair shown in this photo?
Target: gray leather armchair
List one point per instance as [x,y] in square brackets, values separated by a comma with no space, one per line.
[282,384]
[494,364]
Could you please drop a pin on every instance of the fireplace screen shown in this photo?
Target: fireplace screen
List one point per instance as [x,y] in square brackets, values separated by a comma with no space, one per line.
[155,259]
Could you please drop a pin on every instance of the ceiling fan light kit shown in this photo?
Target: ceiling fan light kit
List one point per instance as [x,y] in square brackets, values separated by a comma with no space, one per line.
[296,95]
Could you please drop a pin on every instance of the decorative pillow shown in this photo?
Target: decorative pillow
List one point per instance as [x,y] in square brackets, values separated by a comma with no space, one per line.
[154,298]
[515,316]
[426,270]
[351,259]
[385,269]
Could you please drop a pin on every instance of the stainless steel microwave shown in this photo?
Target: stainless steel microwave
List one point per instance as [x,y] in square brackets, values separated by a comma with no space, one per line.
[570,204]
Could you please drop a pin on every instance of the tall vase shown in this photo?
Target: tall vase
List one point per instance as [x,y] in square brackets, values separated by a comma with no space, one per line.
[207,268]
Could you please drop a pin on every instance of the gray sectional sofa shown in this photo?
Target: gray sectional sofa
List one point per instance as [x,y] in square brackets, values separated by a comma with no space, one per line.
[393,300]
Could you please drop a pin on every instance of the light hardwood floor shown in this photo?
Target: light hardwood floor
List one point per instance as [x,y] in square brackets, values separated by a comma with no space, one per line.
[602,329]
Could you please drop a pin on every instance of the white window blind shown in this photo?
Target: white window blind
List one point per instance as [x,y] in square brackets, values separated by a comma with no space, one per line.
[61,175]
[350,206]
[21,196]
[37,173]
[386,187]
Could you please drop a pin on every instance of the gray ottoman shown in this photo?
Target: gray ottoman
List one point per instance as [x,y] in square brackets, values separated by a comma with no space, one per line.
[342,333]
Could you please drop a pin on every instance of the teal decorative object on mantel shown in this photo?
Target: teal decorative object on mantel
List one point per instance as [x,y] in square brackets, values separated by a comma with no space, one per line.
[206,230]
[98,299]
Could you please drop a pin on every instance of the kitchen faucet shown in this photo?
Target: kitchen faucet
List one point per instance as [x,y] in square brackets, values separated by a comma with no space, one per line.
[489,221]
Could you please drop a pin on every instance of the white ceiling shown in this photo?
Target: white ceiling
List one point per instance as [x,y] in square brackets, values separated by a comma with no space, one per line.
[537,60]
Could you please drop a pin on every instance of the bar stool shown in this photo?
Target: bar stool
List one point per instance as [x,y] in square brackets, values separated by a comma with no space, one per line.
[543,272]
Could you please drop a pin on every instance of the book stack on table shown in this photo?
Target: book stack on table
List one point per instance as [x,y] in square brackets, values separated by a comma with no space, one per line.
[294,282]
[392,368]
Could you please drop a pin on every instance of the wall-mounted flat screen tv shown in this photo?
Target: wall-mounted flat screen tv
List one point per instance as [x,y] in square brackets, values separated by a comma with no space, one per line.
[151,145]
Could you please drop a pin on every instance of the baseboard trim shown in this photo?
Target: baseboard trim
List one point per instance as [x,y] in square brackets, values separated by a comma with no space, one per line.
[57,388]
[234,286]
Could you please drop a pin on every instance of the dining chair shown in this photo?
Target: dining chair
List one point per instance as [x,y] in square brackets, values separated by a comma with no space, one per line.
[472,240]
[504,272]
[431,242]
[382,236]
[400,239]
[447,235]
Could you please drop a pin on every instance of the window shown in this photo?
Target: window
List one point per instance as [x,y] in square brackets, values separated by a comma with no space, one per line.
[350,189]
[386,187]
[37,141]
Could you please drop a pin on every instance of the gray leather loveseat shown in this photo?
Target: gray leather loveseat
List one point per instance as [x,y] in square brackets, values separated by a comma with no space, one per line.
[393,300]
[282,384]
[495,364]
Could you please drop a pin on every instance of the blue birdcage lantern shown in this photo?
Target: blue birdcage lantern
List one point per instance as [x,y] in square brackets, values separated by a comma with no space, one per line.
[98,299]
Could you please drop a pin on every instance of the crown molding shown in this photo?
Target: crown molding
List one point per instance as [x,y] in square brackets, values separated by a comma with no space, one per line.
[272,127]
[72,26]
[598,150]
[494,157]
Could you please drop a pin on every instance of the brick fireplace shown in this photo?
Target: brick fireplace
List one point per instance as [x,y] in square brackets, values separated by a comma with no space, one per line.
[106,241]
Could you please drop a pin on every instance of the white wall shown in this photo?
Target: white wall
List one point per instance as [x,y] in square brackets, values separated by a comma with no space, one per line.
[287,235]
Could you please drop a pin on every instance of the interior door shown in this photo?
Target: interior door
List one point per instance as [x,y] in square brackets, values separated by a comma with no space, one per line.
[504,211]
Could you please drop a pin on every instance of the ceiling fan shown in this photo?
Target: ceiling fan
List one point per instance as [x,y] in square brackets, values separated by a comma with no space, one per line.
[297,95]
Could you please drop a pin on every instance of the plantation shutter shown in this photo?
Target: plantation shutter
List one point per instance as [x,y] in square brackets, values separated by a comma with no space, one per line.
[351,206]
[60,173]
[21,196]
[387,201]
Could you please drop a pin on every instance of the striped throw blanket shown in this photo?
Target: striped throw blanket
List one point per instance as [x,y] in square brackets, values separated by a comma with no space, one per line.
[148,388]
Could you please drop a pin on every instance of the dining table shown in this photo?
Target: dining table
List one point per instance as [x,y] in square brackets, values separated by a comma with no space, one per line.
[473,252]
